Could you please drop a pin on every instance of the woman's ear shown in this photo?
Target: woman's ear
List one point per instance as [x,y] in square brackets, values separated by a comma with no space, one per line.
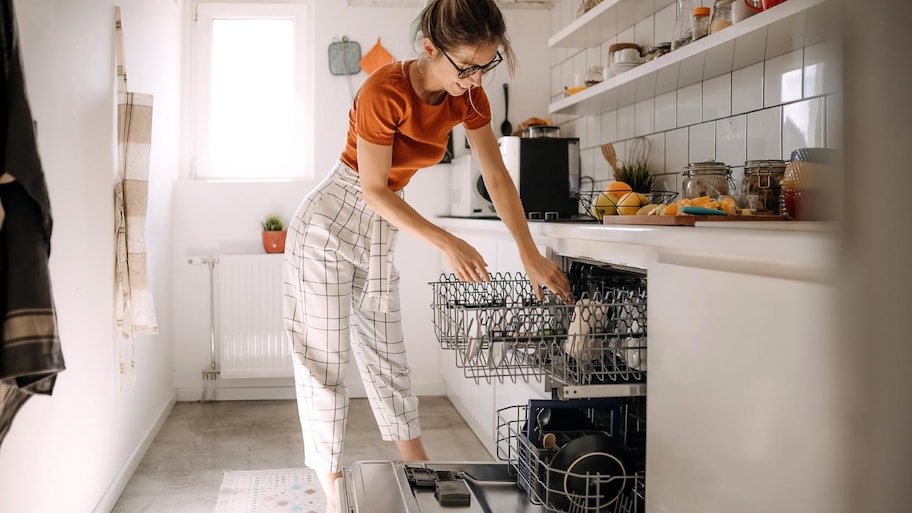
[429,47]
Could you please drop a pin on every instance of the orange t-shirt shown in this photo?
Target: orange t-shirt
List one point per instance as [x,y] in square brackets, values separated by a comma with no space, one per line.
[388,112]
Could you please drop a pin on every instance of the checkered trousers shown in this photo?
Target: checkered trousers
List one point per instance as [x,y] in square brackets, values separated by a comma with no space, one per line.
[341,297]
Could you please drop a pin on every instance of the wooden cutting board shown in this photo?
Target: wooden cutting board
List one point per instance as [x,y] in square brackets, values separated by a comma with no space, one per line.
[683,220]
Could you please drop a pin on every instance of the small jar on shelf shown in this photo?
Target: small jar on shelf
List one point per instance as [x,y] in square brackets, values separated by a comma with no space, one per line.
[700,22]
[721,15]
[594,75]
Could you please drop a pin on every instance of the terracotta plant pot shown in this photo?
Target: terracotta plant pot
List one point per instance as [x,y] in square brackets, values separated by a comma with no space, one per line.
[274,241]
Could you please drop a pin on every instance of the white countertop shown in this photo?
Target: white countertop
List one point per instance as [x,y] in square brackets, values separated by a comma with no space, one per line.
[787,248]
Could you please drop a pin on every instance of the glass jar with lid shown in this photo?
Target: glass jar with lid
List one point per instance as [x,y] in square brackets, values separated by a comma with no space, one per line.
[594,75]
[762,179]
[707,178]
[721,15]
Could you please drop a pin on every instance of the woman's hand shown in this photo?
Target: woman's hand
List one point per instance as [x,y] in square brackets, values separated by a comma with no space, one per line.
[543,272]
[465,261]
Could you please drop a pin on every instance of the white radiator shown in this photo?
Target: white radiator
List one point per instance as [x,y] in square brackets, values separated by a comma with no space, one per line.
[251,330]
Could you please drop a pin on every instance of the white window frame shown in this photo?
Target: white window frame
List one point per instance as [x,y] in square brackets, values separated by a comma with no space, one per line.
[204,14]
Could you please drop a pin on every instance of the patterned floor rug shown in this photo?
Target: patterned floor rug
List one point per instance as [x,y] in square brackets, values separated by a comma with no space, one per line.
[270,491]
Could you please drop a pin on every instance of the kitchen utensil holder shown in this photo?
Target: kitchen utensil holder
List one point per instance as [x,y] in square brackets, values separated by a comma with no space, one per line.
[499,330]
[534,472]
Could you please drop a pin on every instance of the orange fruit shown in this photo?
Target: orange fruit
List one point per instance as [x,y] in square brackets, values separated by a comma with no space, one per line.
[617,189]
[630,203]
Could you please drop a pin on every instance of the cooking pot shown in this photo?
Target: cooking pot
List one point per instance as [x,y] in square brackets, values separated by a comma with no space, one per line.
[542,131]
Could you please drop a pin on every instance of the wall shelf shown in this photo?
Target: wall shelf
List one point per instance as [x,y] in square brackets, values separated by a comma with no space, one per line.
[787,27]
[604,21]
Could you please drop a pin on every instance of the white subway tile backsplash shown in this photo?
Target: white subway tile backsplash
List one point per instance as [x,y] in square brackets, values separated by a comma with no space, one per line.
[644,33]
[783,78]
[667,79]
[822,69]
[646,87]
[764,139]
[690,105]
[747,89]
[834,120]
[609,126]
[588,162]
[702,145]
[593,57]
[664,23]
[626,36]
[656,153]
[644,122]
[627,94]
[803,125]
[691,70]
[717,97]
[676,150]
[626,122]
[822,24]
[731,140]
[749,49]
[719,60]
[593,131]
[579,65]
[666,111]
[785,35]
[579,130]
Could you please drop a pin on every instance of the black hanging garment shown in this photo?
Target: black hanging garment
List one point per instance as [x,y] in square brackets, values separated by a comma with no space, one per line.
[30,354]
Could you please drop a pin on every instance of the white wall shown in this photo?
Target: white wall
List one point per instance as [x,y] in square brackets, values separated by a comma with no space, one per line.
[65,452]
[214,218]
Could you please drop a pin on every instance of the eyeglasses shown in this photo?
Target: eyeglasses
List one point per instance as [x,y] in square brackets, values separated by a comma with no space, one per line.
[468,72]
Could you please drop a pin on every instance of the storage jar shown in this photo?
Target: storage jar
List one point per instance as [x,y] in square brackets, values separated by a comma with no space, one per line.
[700,22]
[721,15]
[762,178]
[707,178]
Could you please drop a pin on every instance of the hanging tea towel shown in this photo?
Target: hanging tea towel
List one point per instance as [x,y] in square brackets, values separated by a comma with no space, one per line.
[376,57]
[135,311]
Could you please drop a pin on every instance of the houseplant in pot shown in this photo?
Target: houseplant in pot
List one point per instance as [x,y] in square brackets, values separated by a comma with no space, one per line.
[274,234]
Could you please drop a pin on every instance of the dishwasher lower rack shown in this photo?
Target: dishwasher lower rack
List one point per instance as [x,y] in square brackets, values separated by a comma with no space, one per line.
[500,330]
[578,471]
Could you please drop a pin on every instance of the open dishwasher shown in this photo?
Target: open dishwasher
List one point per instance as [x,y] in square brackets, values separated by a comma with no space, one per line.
[583,450]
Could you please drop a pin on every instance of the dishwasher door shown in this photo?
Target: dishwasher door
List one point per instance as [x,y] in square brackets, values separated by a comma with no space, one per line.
[383,487]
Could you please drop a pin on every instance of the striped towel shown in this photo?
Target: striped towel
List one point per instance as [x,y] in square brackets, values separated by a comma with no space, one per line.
[30,354]
[135,310]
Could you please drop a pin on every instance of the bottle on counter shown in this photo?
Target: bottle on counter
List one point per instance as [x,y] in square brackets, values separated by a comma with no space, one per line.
[700,22]
[721,15]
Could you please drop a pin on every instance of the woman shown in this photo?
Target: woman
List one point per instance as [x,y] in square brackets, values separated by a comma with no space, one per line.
[338,264]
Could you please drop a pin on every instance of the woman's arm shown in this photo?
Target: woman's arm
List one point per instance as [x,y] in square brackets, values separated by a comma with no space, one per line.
[374,162]
[541,270]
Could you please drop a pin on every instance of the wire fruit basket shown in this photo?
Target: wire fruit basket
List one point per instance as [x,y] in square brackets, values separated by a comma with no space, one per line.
[600,201]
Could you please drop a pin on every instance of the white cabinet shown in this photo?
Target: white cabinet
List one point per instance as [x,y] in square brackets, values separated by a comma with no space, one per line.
[742,390]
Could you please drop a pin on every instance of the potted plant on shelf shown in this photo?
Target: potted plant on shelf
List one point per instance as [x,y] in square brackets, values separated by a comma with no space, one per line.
[274,234]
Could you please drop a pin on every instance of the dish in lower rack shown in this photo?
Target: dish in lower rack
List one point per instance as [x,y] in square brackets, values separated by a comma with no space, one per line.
[610,469]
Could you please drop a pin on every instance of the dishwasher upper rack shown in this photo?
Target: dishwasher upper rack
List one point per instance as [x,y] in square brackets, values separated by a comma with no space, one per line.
[536,475]
[498,330]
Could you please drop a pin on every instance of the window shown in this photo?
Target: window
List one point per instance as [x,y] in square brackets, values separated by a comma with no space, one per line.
[252,115]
